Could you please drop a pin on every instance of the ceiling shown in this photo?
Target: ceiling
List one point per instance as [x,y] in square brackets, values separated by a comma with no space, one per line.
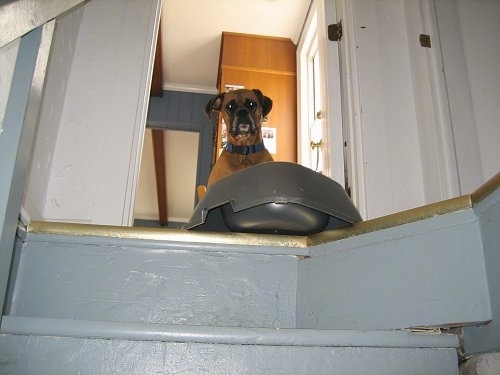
[191,34]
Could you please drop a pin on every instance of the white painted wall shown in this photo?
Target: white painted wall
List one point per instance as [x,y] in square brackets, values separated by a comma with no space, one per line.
[462,117]
[421,133]
[86,164]
[434,131]
[391,163]
[480,32]
[468,36]
[57,77]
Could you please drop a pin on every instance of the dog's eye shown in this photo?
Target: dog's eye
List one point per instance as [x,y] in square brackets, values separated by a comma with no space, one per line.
[251,104]
[231,106]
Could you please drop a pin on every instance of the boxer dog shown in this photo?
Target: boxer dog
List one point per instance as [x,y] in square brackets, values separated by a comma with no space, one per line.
[242,111]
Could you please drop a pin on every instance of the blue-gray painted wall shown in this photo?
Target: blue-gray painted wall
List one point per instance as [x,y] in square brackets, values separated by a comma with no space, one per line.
[486,338]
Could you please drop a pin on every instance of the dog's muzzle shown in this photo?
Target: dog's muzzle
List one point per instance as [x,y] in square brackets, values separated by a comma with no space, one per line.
[243,123]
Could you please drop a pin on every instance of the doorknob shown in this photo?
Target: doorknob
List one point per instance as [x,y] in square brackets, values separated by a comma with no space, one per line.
[315,145]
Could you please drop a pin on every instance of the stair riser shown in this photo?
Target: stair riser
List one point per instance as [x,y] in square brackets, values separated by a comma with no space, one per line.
[35,355]
[430,273]
[92,282]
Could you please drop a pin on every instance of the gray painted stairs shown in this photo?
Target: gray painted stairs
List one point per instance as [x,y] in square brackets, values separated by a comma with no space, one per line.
[103,300]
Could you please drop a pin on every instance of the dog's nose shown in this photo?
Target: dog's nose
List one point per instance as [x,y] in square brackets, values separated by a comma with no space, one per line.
[242,112]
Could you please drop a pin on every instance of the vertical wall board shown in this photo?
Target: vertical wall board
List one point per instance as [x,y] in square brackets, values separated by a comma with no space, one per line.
[18,246]
[121,283]
[16,138]
[388,121]
[427,79]
[463,119]
[58,74]
[421,274]
[480,32]
[96,356]
[8,56]
[487,338]
[178,107]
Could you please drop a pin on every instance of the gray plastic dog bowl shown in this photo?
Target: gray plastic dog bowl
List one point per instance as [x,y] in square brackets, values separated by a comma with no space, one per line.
[277,198]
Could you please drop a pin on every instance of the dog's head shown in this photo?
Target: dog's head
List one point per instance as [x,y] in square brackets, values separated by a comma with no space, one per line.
[242,111]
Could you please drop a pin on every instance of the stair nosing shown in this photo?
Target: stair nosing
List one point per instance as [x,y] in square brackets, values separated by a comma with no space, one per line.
[90,329]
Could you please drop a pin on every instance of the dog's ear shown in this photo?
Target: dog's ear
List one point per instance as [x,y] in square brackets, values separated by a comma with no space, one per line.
[265,102]
[214,104]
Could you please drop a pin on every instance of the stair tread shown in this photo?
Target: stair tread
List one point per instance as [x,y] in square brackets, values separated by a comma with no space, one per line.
[225,335]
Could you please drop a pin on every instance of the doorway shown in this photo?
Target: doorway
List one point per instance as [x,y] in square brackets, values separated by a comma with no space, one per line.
[187,157]
[180,178]
[321,140]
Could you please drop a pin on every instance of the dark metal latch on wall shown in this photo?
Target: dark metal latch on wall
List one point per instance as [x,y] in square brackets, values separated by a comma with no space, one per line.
[425,40]
[335,31]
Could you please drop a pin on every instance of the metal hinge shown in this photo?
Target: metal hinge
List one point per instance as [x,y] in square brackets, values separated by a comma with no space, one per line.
[335,31]
[425,40]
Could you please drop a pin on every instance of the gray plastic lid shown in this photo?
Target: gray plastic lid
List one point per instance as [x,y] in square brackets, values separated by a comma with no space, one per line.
[274,197]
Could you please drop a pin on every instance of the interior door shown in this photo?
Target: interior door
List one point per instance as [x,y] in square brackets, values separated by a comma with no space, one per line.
[312,125]
[321,145]
[318,153]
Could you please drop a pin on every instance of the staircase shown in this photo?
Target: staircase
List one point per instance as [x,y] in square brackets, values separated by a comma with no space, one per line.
[383,297]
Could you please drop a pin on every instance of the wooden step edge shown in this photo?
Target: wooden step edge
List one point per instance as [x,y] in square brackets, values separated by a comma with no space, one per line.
[157,235]
[278,241]
[224,335]
[447,206]
[486,189]
[393,220]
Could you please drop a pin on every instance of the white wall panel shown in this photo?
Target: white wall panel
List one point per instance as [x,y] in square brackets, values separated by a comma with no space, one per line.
[480,33]
[88,168]
[390,140]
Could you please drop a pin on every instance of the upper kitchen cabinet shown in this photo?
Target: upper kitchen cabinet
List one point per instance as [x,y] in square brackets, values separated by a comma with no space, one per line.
[268,64]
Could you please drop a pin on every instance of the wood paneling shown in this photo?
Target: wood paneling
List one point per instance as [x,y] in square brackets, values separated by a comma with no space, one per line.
[256,52]
[160,172]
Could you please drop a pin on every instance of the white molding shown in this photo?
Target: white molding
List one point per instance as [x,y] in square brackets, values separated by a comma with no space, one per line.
[189,88]
[302,85]
[333,97]
[140,121]
[351,107]
[447,161]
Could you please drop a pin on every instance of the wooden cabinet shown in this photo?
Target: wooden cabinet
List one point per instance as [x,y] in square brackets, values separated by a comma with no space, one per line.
[268,64]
